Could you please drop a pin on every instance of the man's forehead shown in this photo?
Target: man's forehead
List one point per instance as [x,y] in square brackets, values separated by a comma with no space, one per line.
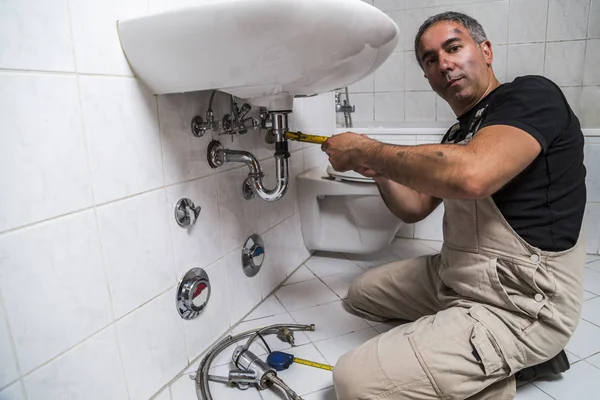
[438,33]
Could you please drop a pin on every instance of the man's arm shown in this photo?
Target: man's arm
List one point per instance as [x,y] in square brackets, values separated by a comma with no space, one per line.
[495,155]
[407,204]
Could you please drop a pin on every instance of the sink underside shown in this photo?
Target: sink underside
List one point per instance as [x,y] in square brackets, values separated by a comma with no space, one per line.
[266,51]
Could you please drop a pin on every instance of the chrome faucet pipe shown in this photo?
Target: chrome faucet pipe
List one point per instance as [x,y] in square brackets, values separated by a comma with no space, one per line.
[281,181]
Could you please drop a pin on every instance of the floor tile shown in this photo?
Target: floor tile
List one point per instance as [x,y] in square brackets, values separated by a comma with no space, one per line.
[572,357]
[332,349]
[409,248]
[594,360]
[340,283]
[591,280]
[588,295]
[300,275]
[595,265]
[305,294]
[302,378]
[331,320]
[434,244]
[326,264]
[366,261]
[584,341]
[591,311]
[592,257]
[530,392]
[270,306]
[581,382]
[325,394]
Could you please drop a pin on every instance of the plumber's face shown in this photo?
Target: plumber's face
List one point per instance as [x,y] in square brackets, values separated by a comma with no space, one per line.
[457,68]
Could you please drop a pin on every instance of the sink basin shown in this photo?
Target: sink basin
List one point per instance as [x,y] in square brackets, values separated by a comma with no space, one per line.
[264,51]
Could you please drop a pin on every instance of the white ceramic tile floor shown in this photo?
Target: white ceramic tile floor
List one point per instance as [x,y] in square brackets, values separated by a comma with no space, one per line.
[313,295]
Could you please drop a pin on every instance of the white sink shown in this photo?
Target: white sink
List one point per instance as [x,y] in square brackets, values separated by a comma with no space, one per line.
[265,51]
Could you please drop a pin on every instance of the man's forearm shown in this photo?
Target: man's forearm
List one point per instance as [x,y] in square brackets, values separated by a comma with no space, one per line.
[442,171]
[404,202]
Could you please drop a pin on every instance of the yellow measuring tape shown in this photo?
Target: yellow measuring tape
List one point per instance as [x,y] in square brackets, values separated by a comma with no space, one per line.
[302,137]
[313,364]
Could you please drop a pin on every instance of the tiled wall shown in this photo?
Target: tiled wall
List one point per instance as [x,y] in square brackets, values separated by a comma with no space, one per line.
[91,165]
[559,39]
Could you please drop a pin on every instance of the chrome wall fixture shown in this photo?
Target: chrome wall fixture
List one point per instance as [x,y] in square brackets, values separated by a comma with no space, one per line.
[345,108]
[276,124]
[193,293]
[253,255]
[186,212]
[232,123]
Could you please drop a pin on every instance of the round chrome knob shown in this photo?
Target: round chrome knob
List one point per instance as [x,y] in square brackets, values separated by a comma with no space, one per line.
[193,293]
[253,255]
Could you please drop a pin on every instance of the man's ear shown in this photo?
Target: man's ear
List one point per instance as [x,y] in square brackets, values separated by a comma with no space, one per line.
[486,50]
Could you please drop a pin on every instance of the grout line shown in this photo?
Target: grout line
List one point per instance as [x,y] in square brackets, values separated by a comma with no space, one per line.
[11,339]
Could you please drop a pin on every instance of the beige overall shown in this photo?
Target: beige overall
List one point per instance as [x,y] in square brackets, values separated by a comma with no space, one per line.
[484,308]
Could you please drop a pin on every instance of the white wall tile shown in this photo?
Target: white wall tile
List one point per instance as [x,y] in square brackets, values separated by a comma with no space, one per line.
[398,17]
[184,155]
[365,85]
[61,259]
[527,21]
[97,46]
[573,95]
[237,216]
[493,16]
[525,59]
[13,392]
[413,19]
[591,72]
[152,346]
[35,34]
[413,74]
[499,62]
[567,20]
[123,138]
[44,165]
[564,62]
[244,292]
[386,5]
[591,227]
[389,77]
[389,106]
[408,4]
[444,111]
[592,164]
[294,244]
[91,371]
[274,268]
[8,364]
[364,107]
[136,242]
[431,227]
[214,320]
[198,245]
[588,107]
[314,157]
[594,21]
[419,106]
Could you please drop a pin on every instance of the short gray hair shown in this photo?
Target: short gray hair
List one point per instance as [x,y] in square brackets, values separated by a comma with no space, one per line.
[475,29]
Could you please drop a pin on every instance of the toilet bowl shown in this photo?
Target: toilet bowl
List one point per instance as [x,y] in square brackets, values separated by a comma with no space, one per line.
[343,212]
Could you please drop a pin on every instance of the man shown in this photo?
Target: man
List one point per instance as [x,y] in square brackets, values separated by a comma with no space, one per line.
[504,295]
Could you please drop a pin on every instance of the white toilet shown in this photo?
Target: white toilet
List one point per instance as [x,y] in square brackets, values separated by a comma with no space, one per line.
[343,212]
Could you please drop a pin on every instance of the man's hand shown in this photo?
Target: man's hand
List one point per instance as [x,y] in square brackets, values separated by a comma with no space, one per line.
[346,152]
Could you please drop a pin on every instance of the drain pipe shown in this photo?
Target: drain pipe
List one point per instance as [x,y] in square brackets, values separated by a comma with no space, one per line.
[217,155]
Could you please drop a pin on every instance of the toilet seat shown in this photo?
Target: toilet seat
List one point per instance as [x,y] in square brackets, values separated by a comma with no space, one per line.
[349,176]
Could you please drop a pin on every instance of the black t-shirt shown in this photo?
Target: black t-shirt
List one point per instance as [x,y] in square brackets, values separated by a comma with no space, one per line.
[544,204]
